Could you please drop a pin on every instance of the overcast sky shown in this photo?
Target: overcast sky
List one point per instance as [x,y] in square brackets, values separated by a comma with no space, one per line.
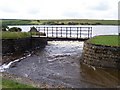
[59,9]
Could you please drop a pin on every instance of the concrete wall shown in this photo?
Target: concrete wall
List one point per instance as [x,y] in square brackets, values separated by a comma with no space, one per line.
[101,56]
[22,45]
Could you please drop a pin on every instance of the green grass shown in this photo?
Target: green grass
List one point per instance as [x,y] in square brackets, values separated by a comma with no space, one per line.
[108,40]
[15,35]
[18,35]
[12,84]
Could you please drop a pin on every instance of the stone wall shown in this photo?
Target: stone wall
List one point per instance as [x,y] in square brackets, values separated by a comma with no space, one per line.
[101,56]
[22,45]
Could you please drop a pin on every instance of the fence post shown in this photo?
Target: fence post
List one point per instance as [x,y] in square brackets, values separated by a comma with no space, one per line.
[88,31]
[39,31]
[52,31]
[91,31]
[66,32]
[56,32]
[80,32]
[61,31]
[44,29]
[77,32]
[70,31]
[47,31]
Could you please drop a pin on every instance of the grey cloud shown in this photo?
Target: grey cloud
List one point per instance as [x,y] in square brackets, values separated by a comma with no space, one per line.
[102,6]
[72,14]
[33,10]
[7,10]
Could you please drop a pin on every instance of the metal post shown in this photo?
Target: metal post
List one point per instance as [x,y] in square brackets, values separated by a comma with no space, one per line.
[66,32]
[44,30]
[91,31]
[61,31]
[70,31]
[88,31]
[39,31]
[52,31]
[77,32]
[47,31]
[56,32]
[80,32]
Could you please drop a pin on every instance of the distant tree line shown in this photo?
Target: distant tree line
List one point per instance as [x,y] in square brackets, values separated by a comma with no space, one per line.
[13,29]
[32,30]
[17,29]
[50,22]
[69,23]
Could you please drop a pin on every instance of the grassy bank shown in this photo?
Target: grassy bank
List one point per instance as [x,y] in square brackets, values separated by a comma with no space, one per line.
[15,35]
[18,35]
[12,84]
[108,40]
[59,22]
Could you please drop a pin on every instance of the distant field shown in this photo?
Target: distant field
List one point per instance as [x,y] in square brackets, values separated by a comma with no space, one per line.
[108,40]
[59,22]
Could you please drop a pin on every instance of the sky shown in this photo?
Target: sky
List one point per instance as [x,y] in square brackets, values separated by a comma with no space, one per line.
[59,9]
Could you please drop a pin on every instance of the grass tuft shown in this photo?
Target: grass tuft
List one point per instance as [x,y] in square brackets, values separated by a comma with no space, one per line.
[18,35]
[15,35]
[12,84]
[108,40]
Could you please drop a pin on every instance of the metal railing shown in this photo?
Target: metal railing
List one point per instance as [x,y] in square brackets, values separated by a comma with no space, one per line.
[66,32]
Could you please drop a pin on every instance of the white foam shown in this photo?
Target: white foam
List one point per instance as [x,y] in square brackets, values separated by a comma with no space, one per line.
[6,66]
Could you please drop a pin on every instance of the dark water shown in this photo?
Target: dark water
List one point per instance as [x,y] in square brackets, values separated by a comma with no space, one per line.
[58,64]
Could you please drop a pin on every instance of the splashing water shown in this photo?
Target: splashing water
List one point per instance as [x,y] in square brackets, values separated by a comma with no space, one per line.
[6,66]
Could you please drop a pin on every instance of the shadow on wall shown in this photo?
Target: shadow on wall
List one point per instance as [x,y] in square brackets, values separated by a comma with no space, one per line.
[22,45]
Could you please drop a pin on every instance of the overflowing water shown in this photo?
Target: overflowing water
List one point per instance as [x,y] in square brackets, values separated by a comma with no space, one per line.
[58,64]
[6,66]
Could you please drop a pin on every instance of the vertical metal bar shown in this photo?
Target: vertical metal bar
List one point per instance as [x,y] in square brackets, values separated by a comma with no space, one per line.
[39,31]
[66,32]
[61,31]
[80,32]
[52,31]
[47,31]
[91,31]
[70,31]
[88,31]
[44,30]
[30,33]
[77,32]
[56,32]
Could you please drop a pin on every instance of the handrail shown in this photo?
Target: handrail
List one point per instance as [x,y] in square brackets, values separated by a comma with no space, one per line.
[68,32]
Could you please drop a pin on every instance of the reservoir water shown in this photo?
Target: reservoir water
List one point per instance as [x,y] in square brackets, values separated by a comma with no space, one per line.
[96,29]
[58,64]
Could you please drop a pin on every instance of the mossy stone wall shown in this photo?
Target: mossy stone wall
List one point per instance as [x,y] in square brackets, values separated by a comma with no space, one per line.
[22,45]
[101,56]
